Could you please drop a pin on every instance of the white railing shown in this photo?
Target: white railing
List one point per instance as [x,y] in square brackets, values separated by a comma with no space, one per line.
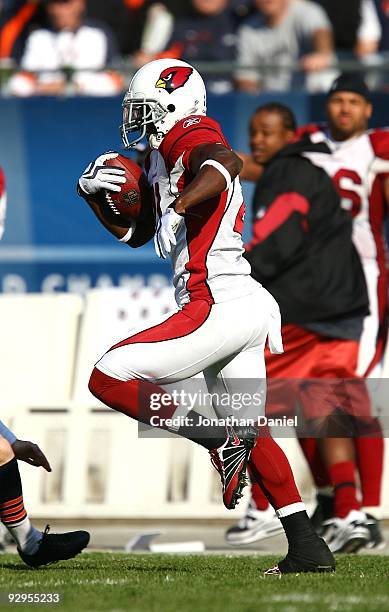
[101,468]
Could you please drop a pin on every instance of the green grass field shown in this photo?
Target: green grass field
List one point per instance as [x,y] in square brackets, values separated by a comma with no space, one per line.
[222,583]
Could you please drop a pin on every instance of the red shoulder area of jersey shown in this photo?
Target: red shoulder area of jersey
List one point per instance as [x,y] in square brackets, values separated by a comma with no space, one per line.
[188,133]
[310,128]
[380,142]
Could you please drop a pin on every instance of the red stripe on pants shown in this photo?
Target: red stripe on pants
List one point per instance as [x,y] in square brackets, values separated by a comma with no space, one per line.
[182,323]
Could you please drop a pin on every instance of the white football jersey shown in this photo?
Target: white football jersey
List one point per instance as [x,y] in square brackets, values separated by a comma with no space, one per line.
[207,260]
[359,166]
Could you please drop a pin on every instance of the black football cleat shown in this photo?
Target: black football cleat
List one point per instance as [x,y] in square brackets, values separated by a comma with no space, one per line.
[313,556]
[56,547]
[231,460]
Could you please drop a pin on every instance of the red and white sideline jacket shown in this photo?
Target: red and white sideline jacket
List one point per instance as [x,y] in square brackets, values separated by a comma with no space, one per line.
[3,202]
[359,167]
[208,259]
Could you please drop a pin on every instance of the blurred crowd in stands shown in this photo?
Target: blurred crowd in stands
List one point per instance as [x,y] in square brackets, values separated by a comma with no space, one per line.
[55,46]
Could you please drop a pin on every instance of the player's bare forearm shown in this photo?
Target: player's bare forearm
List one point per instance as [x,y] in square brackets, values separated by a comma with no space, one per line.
[208,181]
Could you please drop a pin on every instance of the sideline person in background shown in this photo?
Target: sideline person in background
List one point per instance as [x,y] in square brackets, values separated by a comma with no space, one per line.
[34,547]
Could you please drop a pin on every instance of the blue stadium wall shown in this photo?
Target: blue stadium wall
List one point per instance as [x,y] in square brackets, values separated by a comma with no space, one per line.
[52,241]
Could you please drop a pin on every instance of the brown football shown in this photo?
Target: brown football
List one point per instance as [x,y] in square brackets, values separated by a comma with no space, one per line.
[126,205]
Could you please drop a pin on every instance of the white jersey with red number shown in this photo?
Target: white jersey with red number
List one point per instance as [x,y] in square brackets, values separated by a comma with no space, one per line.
[359,166]
[208,258]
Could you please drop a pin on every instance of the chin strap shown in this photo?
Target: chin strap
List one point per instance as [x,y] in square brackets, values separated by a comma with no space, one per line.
[155,140]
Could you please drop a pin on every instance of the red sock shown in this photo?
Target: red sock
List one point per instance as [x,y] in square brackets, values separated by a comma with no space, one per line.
[312,454]
[131,397]
[270,468]
[370,461]
[342,476]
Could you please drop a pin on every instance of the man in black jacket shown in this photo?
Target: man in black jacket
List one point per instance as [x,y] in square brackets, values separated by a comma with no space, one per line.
[302,252]
[302,249]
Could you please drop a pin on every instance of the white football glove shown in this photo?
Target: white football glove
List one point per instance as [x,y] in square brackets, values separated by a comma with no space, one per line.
[165,236]
[97,176]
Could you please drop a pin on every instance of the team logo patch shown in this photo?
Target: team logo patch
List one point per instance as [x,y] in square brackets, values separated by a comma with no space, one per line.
[173,78]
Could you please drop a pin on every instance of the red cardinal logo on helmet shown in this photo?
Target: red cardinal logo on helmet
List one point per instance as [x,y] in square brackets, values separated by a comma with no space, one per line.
[173,78]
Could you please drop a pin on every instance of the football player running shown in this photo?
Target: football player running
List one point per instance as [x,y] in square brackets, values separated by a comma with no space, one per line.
[359,167]
[224,317]
[34,547]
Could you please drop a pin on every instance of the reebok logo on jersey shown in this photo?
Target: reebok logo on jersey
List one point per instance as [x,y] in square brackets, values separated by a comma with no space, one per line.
[190,122]
[173,78]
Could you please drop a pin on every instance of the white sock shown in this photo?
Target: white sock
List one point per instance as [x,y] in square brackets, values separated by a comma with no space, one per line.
[26,536]
[291,509]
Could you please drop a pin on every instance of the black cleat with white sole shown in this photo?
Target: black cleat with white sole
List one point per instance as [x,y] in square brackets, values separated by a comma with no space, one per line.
[56,547]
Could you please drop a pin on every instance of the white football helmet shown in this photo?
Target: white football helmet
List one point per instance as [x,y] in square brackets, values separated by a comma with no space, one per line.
[160,94]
